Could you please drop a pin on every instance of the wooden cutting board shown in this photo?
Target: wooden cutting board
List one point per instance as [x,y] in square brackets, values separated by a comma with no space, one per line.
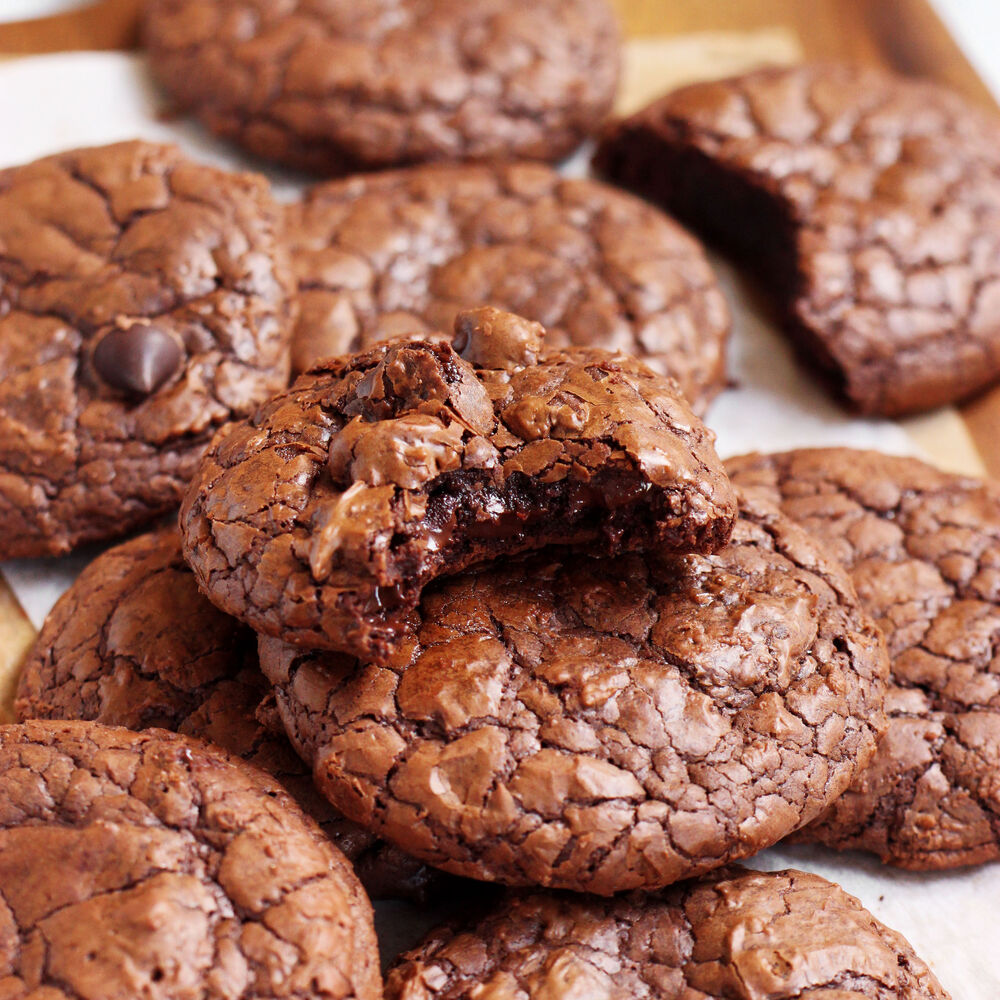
[903,35]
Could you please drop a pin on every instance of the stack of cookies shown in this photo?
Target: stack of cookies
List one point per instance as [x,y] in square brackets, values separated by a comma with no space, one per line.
[473,599]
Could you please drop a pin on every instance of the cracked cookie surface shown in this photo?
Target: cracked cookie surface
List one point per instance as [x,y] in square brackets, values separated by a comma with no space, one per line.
[148,864]
[923,548]
[395,253]
[144,302]
[335,86]
[735,934]
[601,724]
[868,203]
[321,518]
[133,643]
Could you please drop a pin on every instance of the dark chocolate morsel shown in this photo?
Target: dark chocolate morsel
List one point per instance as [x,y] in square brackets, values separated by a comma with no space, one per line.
[138,359]
[491,338]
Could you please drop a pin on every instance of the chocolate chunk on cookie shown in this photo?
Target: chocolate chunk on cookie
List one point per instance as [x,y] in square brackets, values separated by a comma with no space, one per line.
[144,302]
[133,643]
[737,933]
[321,518]
[602,724]
[339,86]
[149,864]
[868,203]
[923,547]
[391,254]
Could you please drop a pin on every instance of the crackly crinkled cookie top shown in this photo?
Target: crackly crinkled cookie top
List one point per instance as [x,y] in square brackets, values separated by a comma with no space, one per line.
[602,724]
[144,302]
[736,935]
[133,643]
[148,864]
[870,202]
[395,253]
[321,518]
[923,547]
[339,85]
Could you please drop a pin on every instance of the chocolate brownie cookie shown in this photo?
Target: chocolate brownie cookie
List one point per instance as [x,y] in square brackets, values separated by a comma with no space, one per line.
[602,724]
[320,519]
[387,254]
[144,302]
[149,864]
[133,643]
[737,933]
[923,548]
[869,204]
[336,86]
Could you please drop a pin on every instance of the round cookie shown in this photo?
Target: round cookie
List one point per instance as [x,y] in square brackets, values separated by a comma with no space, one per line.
[923,547]
[144,302]
[397,253]
[868,203]
[336,87]
[736,933]
[601,724]
[149,864]
[133,643]
[321,518]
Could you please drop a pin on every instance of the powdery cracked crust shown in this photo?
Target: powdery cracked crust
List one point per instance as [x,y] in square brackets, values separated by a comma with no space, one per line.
[111,243]
[397,253]
[602,725]
[337,87]
[869,203]
[321,518]
[736,935]
[133,643]
[923,548]
[147,864]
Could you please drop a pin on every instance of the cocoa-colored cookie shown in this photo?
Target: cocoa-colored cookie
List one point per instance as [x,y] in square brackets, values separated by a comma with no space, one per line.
[392,254]
[602,724]
[133,643]
[923,547]
[336,86]
[868,203]
[734,934]
[320,519]
[144,302]
[150,864]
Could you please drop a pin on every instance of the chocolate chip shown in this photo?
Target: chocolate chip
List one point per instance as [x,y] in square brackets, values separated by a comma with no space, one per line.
[490,338]
[138,359]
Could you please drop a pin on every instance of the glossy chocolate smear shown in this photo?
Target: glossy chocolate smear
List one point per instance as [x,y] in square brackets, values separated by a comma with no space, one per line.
[137,359]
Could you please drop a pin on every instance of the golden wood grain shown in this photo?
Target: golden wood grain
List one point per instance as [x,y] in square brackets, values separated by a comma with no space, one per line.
[17,635]
[103,24]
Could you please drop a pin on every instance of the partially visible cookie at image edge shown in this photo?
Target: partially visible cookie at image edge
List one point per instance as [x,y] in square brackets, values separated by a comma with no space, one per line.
[923,548]
[736,933]
[868,203]
[151,864]
[337,87]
